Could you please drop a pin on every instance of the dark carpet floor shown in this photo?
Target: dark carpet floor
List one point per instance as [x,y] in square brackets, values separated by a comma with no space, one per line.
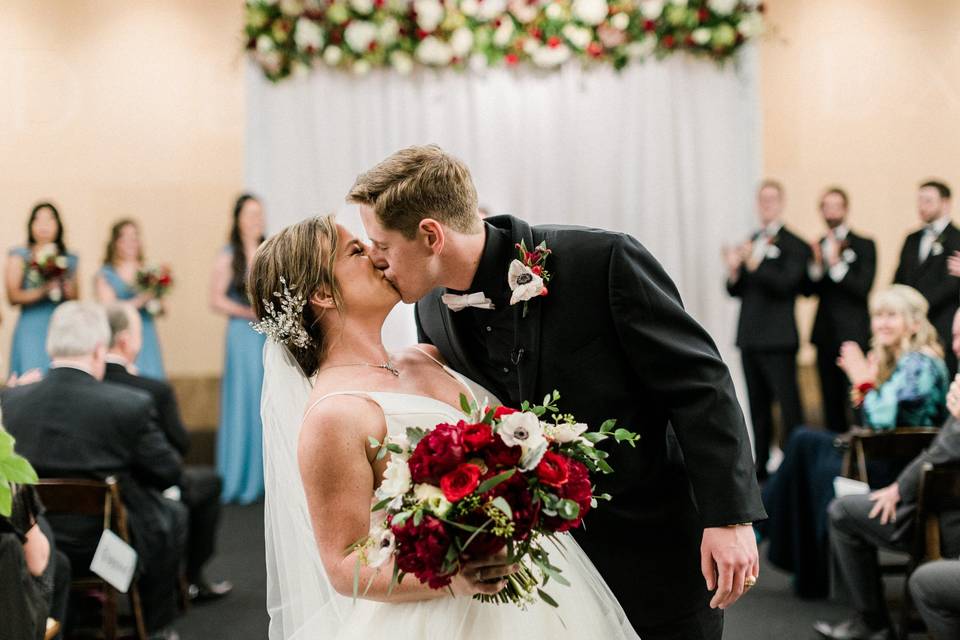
[770,612]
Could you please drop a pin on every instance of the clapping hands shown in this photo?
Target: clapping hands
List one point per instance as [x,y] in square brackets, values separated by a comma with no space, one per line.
[859,368]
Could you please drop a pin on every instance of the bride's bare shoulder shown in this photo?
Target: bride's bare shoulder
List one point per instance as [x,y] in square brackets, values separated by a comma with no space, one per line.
[342,418]
[416,354]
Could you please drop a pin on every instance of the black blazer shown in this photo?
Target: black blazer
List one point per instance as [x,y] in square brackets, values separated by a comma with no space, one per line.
[168,412]
[843,311]
[930,277]
[72,425]
[767,295]
[614,339]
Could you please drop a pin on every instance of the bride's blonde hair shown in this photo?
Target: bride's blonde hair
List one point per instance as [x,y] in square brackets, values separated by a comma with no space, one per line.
[303,255]
[909,304]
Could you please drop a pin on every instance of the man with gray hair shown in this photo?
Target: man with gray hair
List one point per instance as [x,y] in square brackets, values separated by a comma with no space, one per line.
[71,424]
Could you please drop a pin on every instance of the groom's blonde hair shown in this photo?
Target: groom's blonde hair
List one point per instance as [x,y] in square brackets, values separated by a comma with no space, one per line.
[417,183]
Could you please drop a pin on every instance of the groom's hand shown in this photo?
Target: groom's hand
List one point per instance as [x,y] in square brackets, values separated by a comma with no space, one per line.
[728,555]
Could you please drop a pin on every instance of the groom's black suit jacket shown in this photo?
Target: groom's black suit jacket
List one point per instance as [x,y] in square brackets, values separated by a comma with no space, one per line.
[613,338]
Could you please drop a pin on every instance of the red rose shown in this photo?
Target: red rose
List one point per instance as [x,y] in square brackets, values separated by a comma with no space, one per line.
[499,412]
[511,59]
[460,482]
[595,49]
[669,41]
[438,453]
[476,436]
[703,15]
[497,454]
[421,550]
[553,469]
[553,42]
[649,25]
[576,488]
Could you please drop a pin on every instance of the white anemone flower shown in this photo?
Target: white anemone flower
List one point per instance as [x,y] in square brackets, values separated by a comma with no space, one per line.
[524,283]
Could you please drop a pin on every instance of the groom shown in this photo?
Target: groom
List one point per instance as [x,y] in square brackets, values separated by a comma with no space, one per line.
[610,333]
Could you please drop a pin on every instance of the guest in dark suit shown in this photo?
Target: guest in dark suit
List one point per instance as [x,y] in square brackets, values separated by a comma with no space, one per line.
[613,337]
[200,485]
[862,524]
[767,274]
[923,261]
[73,425]
[840,275]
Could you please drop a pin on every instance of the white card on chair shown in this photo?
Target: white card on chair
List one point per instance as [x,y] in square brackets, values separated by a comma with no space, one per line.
[114,561]
[847,487]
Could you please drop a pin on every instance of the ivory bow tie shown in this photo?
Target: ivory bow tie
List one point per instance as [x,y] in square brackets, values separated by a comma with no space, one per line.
[459,303]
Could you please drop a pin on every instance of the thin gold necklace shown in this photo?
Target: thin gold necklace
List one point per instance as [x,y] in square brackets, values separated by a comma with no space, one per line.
[386,366]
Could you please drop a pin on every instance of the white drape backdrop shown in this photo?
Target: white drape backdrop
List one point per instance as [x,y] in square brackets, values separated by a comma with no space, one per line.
[667,151]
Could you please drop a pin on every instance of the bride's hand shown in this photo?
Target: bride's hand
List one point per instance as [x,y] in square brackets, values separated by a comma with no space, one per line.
[486,576]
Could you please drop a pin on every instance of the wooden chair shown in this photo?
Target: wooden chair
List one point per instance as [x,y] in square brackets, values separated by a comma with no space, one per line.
[101,500]
[901,444]
[939,491]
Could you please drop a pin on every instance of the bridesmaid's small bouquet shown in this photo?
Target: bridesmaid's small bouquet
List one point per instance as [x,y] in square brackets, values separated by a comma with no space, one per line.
[501,479]
[48,265]
[159,280]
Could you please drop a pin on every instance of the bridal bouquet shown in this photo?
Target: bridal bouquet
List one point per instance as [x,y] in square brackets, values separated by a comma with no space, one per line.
[47,265]
[501,479]
[158,280]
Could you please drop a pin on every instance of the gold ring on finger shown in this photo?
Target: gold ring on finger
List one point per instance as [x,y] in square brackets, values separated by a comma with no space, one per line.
[749,582]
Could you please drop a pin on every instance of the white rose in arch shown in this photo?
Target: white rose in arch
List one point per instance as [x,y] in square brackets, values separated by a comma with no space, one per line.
[579,37]
[591,12]
[402,62]
[429,14]
[433,51]
[332,55]
[554,11]
[469,8]
[723,7]
[642,48]
[461,42]
[359,35]
[265,44]
[389,31]
[308,35]
[363,7]
[523,11]
[751,25]
[490,9]
[701,35]
[524,283]
[620,21]
[501,37]
[651,9]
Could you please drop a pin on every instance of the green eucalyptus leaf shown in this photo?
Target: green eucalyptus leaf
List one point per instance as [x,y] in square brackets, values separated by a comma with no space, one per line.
[490,483]
[500,503]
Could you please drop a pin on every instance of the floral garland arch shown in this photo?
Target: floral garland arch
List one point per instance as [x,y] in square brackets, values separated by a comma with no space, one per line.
[288,37]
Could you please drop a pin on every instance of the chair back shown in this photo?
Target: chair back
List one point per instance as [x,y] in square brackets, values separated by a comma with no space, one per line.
[77,496]
[939,492]
[900,445]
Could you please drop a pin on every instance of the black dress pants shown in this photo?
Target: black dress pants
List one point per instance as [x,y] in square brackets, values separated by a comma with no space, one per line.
[771,377]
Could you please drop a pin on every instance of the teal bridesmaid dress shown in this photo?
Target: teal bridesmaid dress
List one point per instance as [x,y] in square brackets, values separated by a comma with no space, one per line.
[150,361]
[29,348]
[240,435]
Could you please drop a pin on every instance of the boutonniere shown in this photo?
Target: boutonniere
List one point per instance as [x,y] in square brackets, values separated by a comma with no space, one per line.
[936,248]
[849,255]
[772,252]
[527,276]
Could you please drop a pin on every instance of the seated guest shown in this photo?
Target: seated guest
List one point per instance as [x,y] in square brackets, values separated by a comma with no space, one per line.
[73,425]
[862,524]
[935,588]
[34,576]
[199,486]
[902,382]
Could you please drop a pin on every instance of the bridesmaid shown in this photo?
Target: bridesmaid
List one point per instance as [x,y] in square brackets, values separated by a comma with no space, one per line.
[37,302]
[239,438]
[117,280]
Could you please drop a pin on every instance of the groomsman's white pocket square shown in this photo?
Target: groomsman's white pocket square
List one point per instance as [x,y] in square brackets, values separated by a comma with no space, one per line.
[772,252]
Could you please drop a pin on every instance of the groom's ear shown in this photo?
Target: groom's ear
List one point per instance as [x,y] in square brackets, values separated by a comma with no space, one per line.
[432,235]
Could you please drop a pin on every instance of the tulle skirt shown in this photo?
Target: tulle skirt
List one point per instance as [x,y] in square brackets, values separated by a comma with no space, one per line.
[587,610]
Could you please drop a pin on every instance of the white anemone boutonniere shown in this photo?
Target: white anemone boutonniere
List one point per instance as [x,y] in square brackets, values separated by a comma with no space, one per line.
[528,276]
[936,248]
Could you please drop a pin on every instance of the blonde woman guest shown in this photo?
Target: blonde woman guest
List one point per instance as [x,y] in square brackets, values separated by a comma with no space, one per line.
[37,301]
[117,280]
[239,438]
[902,381]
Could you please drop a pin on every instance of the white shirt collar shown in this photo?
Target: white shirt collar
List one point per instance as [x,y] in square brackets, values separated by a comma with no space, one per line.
[840,232]
[115,359]
[939,224]
[773,228]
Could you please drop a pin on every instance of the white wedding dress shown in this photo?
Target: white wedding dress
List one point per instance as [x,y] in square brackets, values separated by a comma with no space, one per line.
[300,599]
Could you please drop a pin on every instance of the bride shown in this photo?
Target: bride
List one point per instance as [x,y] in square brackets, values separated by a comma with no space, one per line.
[323,303]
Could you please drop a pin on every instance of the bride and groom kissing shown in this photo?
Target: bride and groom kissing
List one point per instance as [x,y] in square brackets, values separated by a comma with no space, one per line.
[593,315]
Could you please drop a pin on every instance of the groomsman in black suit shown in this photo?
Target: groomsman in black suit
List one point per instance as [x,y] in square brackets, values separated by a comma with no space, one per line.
[200,486]
[767,273]
[73,425]
[923,261]
[840,275]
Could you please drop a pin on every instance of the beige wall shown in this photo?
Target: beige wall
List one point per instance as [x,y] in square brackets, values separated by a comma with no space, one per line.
[865,94]
[127,108]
